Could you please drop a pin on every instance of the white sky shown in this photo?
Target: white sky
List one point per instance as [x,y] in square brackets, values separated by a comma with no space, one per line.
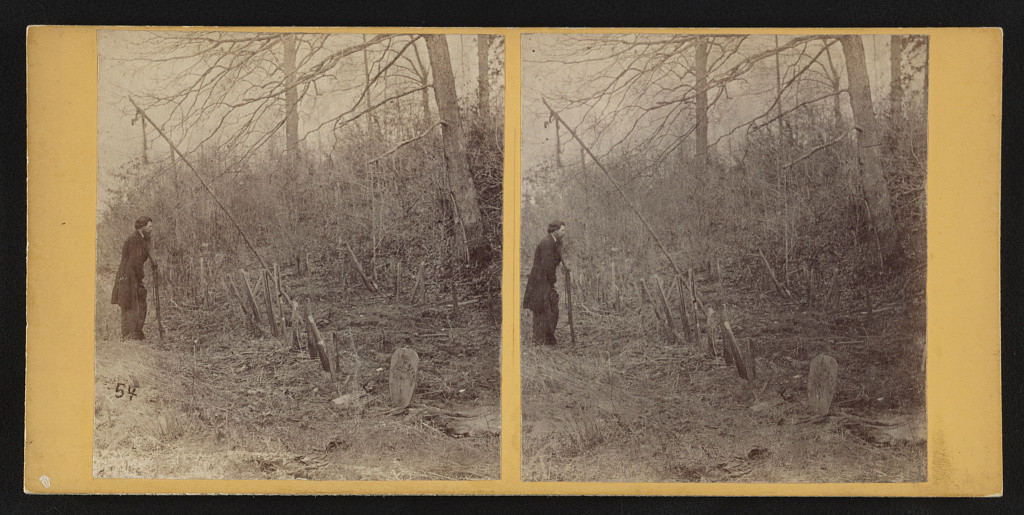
[121,73]
[550,80]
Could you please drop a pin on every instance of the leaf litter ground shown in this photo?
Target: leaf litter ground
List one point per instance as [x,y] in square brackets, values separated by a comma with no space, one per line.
[627,405]
[213,402]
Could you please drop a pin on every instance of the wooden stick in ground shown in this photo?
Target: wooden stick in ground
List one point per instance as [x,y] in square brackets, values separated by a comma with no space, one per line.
[697,303]
[693,304]
[251,297]
[669,323]
[307,318]
[325,362]
[156,298]
[710,348]
[243,302]
[280,298]
[359,268]
[687,332]
[568,305]
[730,351]
[296,324]
[269,301]
[337,355]
[771,273]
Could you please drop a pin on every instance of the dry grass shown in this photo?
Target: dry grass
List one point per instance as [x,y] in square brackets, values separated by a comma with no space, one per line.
[626,405]
[214,403]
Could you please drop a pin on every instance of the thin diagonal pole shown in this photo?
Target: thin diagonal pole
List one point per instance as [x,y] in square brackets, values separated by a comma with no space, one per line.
[617,187]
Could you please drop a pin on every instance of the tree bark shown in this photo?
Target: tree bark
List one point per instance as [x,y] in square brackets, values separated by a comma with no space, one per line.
[291,101]
[483,45]
[473,244]
[896,76]
[701,71]
[875,191]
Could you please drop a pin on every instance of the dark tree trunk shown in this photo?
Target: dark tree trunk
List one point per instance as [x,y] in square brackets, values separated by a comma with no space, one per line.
[473,244]
[876,193]
[483,44]
[896,73]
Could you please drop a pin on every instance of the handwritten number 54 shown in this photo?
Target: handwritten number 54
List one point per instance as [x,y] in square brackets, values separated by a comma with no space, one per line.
[121,389]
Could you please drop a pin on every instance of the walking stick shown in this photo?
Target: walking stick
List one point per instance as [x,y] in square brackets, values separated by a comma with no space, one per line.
[156,298]
[568,305]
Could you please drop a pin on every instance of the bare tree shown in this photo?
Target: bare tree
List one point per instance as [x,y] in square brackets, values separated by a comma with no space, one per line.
[896,75]
[454,141]
[483,45]
[876,193]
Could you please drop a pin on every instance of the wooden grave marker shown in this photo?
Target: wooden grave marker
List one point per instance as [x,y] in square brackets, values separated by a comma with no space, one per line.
[402,376]
[822,382]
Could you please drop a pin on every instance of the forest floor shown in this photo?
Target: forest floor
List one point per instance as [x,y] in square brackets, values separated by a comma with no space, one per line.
[627,405]
[210,401]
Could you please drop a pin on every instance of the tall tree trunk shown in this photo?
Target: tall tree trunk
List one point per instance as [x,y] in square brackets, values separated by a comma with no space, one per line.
[701,71]
[370,125]
[895,94]
[876,193]
[424,75]
[291,100]
[896,76]
[483,44]
[473,244]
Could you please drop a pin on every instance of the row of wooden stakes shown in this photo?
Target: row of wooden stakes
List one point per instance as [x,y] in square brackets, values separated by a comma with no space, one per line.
[734,352]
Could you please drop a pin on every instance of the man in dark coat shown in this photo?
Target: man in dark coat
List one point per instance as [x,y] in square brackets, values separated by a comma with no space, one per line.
[129,293]
[540,296]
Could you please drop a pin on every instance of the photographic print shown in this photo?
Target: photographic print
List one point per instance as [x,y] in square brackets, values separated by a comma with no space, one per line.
[298,255]
[724,258]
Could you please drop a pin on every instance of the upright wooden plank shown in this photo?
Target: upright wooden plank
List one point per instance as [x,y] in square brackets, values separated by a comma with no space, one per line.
[402,376]
[297,324]
[337,355]
[280,298]
[568,305]
[683,316]
[822,383]
[156,298]
[269,302]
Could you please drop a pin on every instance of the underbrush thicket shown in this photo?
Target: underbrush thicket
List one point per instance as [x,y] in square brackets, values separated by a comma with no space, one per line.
[393,210]
[809,219]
